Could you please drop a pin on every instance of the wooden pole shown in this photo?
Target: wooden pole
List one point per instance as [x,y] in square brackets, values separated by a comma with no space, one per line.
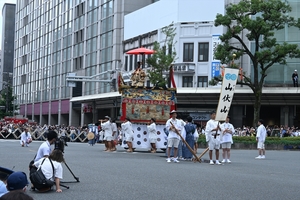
[183,140]
[204,152]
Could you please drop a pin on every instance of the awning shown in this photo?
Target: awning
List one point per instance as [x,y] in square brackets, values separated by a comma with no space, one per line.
[95,97]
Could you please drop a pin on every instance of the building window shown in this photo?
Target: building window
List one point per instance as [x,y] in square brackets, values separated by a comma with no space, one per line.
[188,52]
[79,35]
[80,9]
[203,52]
[202,81]
[187,81]
[78,62]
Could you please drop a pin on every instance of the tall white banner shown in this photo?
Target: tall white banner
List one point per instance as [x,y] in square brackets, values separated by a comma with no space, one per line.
[227,92]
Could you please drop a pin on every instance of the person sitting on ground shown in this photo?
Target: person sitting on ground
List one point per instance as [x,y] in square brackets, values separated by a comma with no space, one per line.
[57,158]
[25,138]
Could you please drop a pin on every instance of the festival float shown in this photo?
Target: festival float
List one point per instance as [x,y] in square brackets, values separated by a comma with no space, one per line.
[140,104]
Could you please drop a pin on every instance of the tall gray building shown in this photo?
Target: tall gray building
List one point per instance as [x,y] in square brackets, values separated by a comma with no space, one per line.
[57,37]
[7,56]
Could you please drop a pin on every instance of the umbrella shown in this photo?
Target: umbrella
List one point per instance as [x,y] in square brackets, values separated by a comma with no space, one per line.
[141,51]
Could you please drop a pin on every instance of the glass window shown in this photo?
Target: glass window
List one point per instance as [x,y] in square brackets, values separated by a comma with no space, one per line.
[203,49]
[187,81]
[94,44]
[188,52]
[202,81]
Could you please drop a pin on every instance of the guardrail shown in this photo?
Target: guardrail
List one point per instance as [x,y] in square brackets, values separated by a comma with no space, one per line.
[42,135]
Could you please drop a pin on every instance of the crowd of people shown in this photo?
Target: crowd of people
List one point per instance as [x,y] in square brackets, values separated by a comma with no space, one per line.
[182,137]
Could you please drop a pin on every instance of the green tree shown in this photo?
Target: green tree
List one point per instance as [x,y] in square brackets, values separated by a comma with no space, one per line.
[7,102]
[259,19]
[161,60]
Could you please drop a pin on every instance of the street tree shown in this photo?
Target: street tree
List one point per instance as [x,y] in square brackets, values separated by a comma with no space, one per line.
[7,100]
[259,19]
[163,57]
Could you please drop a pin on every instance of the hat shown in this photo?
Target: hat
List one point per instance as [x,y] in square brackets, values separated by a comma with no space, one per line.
[107,117]
[295,70]
[173,111]
[17,181]
[90,136]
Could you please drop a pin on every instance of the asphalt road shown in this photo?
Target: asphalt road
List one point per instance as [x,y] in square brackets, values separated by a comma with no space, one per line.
[142,175]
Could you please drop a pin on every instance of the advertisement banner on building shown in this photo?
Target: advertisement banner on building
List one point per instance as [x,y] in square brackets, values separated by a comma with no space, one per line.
[227,92]
[215,69]
[215,64]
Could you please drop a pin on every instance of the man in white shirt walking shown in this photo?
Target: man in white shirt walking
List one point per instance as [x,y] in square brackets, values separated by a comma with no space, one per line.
[260,138]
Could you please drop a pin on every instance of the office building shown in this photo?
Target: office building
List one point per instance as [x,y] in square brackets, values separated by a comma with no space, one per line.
[195,64]
[7,44]
[55,38]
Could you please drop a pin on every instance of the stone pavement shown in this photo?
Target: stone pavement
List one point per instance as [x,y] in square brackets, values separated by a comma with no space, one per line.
[142,175]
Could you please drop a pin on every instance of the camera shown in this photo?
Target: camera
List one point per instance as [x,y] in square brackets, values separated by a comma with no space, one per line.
[60,144]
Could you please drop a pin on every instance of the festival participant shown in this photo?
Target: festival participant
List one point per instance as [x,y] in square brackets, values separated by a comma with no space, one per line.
[127,129]
[180,145]
[93,130]
[152,134]
[226,139]
[25,138]
[212,133]
[260,138]
[114,128]
[56,157]
[108,137]
[173,138]
[138,76]
[189,132]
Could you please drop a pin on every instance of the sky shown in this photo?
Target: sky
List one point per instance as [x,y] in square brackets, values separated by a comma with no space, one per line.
[2,2]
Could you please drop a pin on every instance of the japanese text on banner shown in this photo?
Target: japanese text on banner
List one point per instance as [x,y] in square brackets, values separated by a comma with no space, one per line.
[227,92]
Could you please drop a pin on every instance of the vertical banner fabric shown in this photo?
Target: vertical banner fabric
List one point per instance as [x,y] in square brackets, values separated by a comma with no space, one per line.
[227,92]
[215,69]
[215,64]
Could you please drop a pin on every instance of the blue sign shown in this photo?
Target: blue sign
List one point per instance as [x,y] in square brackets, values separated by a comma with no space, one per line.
[215,69]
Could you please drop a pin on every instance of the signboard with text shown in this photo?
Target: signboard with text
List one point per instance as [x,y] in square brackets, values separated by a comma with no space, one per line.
[227,92]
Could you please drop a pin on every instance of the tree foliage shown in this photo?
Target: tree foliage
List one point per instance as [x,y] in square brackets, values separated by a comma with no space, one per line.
[7,102]
[163,57]
[259,19]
